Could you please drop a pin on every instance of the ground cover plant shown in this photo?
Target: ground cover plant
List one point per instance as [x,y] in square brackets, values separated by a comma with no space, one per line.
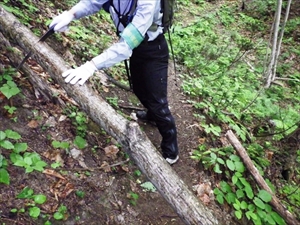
[220,50]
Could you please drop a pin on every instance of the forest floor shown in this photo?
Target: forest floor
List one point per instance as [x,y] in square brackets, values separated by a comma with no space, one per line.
[100,186]
[108,193]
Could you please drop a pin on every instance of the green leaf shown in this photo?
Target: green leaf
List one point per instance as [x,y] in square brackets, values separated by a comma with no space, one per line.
[240,193]
[270,219]
[249,192]
[148,186]
[217,168]
[39,166]
[2,135]
[234,179]
[225,187]
[238,214]
[264,195]
[20,147]
[239,166]
[278,219]
[80,142]
[34,212]
[237,204]
[213,156]
[12,135]
[28,169]
[238,174]
[80,194]
[20,163]
[251,214]
[15,157]
[220,199]
[39,199]
[251,207]
[261,213]
[230,198]
[235,158]
[58,216]
[230,165]
[221,161]
[6,144]
[259,203]
[9,89]
[268,208]
[244,205]
[25,193]
[28,160]
[4,176]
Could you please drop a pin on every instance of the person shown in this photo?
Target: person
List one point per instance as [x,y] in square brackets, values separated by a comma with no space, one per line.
[139,25]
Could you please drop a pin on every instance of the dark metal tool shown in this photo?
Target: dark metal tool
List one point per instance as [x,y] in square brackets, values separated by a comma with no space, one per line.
[42,39]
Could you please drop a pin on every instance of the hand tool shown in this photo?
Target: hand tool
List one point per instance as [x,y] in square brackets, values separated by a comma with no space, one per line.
[42,39]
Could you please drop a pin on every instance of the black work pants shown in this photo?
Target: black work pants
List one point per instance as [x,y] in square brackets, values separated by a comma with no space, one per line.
[149,74]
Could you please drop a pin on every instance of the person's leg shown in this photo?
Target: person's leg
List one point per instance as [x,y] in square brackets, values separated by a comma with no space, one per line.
[149,71]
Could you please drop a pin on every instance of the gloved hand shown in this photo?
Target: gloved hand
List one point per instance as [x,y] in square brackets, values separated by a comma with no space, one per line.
[80,74]
[62,21]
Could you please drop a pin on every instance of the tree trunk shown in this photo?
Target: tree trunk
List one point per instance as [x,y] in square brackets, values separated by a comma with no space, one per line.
[271,70]
[127,133]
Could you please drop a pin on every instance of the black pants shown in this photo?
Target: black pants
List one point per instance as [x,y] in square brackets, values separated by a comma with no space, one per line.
[149,73]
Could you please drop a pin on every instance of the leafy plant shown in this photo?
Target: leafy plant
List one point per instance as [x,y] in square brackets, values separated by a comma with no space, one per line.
[10,109]
[61,213]
[7,86]
[35,199]
[79,119]
[133,198]
[246,199]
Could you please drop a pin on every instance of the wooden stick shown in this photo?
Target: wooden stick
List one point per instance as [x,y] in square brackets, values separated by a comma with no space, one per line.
[284,213]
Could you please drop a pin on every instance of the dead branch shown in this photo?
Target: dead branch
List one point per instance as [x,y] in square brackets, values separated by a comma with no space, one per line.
[279,208]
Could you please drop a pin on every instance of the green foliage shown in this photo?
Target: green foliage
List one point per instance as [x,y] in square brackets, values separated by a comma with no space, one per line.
[226,83]
[290,192]
[247,200]
[34,200]
[29,160]
[113,101]
[133,198]
[18,155]
[61,213]
[60,144]
[79,119]
[148,186]
[19,9]
[10,109]
[7,86]
[80,142]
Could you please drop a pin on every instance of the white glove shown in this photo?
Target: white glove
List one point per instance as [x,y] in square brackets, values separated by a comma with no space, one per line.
[62,21]
[80,74]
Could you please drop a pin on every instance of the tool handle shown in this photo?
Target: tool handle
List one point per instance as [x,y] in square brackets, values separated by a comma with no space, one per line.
[47,34]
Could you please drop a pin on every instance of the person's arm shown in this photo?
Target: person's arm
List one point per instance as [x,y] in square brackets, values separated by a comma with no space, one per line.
[81,9]
[131,37]
[86,8]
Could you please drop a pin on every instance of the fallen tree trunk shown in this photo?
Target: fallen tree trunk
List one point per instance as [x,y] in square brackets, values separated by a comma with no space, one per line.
[285,214]
[127,133]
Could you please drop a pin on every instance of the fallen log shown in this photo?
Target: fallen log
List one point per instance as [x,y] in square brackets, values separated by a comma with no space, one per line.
[127,133]
[284,213]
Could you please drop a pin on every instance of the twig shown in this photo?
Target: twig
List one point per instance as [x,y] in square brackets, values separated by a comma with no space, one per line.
[131,107]
[99,167]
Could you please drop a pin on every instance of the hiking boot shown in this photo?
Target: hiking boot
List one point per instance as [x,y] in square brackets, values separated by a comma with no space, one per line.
[143,116]
[172,161]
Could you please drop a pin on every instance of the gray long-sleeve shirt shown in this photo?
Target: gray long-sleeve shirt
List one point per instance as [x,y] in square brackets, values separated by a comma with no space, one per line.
[146,14]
